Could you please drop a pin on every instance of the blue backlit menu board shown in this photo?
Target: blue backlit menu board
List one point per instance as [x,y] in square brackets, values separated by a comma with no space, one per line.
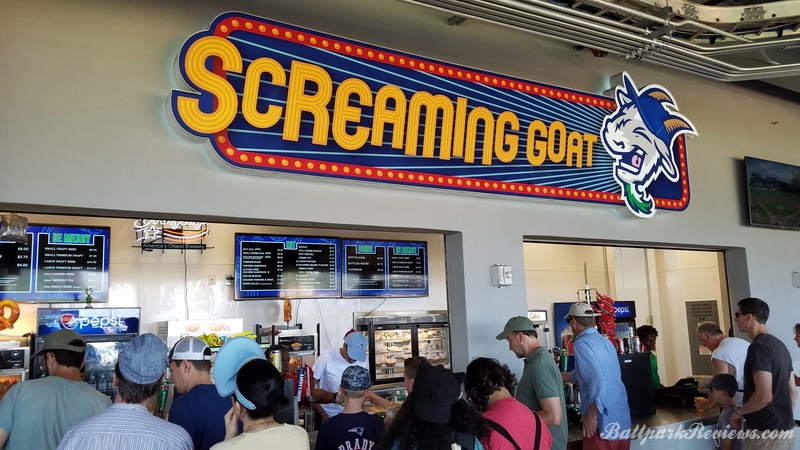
[56,265]
[384,268]
[270,266]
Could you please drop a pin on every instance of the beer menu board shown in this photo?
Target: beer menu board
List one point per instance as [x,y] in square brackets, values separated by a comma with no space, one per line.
[269,266]
[56,265]
[384,268]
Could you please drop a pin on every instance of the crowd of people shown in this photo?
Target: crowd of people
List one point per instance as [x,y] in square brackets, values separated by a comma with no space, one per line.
[248,406]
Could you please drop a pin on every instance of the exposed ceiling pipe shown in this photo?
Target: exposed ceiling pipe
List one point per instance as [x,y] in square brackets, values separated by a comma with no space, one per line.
[656,19]
[596,35]
[576,27]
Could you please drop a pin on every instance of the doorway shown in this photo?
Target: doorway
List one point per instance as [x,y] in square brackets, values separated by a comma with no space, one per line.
[661,283]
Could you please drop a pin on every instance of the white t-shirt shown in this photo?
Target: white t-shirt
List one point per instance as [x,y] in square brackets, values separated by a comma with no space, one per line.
[328,370]
[733,351]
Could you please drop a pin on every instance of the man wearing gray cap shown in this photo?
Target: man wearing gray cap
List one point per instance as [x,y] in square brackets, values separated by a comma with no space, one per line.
[129,424]
[540,388]
[36,413]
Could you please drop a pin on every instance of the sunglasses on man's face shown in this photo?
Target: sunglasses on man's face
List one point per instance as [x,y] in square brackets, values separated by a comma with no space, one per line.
[740,314]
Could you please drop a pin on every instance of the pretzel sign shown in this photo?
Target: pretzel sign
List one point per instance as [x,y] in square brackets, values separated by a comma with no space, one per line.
[8,322]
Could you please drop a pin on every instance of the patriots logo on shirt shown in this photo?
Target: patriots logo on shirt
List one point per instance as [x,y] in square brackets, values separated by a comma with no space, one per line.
[359,430]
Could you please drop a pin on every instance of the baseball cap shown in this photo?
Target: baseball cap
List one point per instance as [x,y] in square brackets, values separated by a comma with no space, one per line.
[356,346]
[519,323]
[191,349]
[581,309]
[144,359]
[724,382]
[62,340]
[436,390]
[234,354]
[356,378]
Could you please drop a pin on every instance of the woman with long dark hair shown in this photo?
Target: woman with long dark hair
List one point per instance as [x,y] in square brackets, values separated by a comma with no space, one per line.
[435,417]
[490,387]
[256,390]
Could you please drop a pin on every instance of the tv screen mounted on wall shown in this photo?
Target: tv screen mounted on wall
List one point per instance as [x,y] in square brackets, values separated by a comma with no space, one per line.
[384,268]
[271,266]
[773,192]
[57,264]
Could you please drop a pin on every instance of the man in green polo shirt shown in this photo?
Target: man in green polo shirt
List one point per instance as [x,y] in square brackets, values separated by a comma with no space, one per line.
[540,388]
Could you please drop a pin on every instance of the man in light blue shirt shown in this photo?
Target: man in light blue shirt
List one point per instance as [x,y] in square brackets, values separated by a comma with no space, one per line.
[605,416]
[128,424]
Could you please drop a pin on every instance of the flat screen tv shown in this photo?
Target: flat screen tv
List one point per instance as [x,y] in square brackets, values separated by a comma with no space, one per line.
[384,268]
[773,193]
[56,265]
[271,266]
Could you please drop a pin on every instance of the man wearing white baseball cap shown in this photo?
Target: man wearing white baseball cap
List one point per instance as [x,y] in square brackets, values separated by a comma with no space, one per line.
[200,410]
[328,372]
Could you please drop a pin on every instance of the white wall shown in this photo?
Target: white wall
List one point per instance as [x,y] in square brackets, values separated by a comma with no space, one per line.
[156,282]
[83,128]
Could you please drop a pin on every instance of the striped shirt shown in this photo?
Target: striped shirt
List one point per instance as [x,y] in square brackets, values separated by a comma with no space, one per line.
[126,427]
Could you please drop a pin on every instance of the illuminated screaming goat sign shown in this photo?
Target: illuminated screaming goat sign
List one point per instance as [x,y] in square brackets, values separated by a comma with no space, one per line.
[271,96]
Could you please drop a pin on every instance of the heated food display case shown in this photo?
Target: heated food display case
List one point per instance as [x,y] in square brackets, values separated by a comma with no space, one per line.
[393,337]
[14,364]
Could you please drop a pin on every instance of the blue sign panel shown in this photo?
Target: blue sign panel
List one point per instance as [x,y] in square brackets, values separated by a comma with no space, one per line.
[271,96]
[88,321]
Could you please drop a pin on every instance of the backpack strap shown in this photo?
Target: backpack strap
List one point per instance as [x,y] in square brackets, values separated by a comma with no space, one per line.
[465,440]
[503,432]
[538,440]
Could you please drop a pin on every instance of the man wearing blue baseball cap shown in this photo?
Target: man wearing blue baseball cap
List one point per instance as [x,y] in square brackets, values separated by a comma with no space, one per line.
[129,423]
[328,372]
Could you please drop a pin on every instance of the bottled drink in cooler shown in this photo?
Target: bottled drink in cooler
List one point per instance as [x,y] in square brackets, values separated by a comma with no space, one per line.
[566,339]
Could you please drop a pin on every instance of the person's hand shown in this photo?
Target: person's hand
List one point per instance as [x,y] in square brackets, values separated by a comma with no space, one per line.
[736,419]
[589,425]
[703,403]
[231,424]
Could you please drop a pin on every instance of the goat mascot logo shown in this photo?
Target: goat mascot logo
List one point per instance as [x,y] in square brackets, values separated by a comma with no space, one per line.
[640,136]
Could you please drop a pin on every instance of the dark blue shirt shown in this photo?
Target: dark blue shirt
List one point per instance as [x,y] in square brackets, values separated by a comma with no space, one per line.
[349,431]
[201,412]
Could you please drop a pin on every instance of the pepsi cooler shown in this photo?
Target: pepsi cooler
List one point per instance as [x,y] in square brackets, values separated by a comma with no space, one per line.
[105,330]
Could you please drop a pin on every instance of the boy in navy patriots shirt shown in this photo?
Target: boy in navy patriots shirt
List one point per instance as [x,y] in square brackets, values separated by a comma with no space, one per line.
[353,427]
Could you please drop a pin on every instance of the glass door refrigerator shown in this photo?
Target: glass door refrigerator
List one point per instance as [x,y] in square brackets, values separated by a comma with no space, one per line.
[105,330]
[393,337]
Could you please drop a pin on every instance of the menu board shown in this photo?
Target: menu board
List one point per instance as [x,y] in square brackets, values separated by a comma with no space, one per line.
[384,268]
[268,266]
[56,265]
